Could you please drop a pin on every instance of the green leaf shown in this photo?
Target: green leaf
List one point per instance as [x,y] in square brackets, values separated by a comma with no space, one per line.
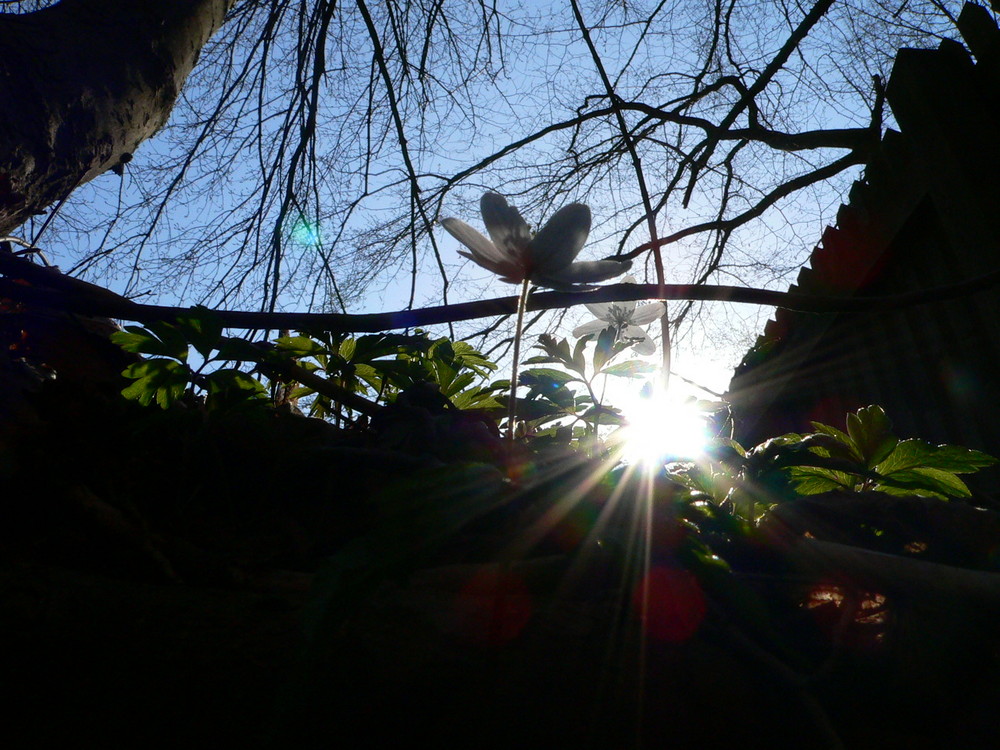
[605,348]
[541,360]
[162,380]
[368,375]
[444,374]
[631,369]
[558,349]
[811,480]
[871,432]
[842,437]
[400,372]
[535,409]
[232,388]
[467,356]
[459,384]
[371,348]
[823,444]
[726,446]
[203,328]
[172,340]
[476,398]
[924,481]
[234,380]
[604,415]
[347,348]
[142,341]
[239,350]
[579,359]
[545,374]
[913,453]
[563,397]
[300,346]
[564,353]
[131,339]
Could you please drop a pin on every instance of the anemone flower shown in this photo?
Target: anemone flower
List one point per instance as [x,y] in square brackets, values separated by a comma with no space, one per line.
[624,318]
[545,259]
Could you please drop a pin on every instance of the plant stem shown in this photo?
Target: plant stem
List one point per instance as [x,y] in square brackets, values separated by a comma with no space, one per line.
[522,302]
[592,428]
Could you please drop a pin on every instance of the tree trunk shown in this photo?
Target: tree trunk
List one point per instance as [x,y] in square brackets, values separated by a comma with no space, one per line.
[82,84]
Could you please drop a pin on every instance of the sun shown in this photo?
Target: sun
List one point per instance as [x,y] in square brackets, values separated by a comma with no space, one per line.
[663,427]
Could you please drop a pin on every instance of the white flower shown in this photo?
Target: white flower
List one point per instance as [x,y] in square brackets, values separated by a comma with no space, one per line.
[624,318]
[545,259]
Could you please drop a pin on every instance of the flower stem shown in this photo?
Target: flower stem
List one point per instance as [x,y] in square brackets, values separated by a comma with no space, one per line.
[522,302]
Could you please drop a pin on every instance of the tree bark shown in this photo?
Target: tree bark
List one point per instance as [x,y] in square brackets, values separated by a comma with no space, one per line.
[82,84]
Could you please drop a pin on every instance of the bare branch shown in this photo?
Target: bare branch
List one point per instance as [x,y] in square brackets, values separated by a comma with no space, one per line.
[72,295]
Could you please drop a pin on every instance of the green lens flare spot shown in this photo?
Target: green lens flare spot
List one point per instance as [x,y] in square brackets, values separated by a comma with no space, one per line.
[307,233]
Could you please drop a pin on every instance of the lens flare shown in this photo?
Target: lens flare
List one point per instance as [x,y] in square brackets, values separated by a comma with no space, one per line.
[307,233]
[663,427]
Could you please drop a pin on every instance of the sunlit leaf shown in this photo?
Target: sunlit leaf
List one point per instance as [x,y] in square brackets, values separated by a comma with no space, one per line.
[233,380]
[300,346]
[871,432]
[347,348]
[842,437]
[544,375]
[132,339]
[811,480]
[925,481]
[604,350]
[579,358]
[459,383]
[630,369]
[913,453]
[142,341]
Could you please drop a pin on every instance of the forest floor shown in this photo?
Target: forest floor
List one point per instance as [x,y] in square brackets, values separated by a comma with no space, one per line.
[172,578]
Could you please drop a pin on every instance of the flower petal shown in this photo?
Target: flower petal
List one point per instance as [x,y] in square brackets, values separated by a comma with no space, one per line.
[479,245]
[561,239]
[648,313]
[644,347]
[507,229]
[593,326]
[640,341]
[502,269]
[585,272]
[600,310]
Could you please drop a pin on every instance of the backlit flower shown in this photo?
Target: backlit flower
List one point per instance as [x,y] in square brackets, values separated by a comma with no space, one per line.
[624,318]
[546,258]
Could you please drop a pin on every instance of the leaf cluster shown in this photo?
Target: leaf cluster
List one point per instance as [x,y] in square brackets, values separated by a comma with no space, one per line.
[866,457]
[232,371]
[383,366]
[165,375]
[553,407]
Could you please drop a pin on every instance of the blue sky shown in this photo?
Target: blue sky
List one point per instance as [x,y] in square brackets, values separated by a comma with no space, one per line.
[538,74]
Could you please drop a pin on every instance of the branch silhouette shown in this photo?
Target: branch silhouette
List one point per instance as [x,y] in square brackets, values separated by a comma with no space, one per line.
[51,288]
